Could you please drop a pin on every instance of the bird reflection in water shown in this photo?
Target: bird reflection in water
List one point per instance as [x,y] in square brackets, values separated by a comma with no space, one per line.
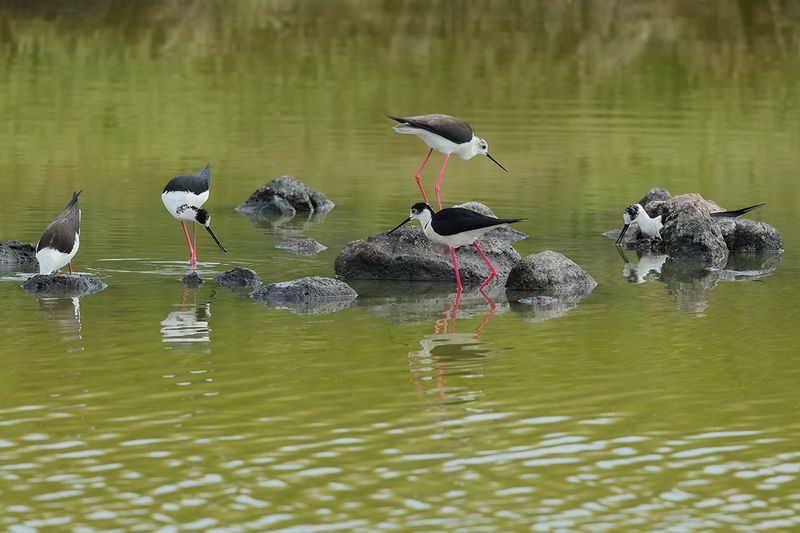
[647,268]
[447,354]
[65,313]
[189,323]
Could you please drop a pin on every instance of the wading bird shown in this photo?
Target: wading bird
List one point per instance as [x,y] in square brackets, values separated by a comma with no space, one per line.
[61,239]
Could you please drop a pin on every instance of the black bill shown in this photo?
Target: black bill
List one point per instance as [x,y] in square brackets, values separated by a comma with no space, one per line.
[406,221]
[496,162]
[622,234]
[216,240]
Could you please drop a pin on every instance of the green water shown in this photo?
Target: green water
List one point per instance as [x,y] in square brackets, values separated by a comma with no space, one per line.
[662,405]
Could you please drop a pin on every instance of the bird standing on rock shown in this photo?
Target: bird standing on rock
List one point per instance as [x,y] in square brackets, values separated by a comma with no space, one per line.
[456,227]
[184,196]
[447,135]
[61,239]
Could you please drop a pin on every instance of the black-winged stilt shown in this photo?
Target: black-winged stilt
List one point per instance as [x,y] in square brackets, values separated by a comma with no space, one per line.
[184,197]
[651,227]
[456,227]
[61,239]
[447,135]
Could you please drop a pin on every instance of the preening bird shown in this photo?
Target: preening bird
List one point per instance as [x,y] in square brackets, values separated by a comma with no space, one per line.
[61,239]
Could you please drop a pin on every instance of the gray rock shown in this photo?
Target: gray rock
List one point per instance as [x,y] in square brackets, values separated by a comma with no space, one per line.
[63,286]
[309,289]
[284,197]
[192,280]
[505,233]
[745,235]
[17,253]
[239,278]
[408,255]
[691,234]
[301,246]
[549,273]
[654,194]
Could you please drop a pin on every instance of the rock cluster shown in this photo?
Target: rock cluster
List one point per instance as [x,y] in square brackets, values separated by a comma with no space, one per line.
[284,196]
[17,253]
[61,286]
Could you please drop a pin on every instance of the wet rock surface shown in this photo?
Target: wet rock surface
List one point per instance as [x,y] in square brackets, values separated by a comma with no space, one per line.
[309,289]
[17,253]
[62,285]
[551,274]
[690,233]
[408,255]
[284,197]
[239,279]
[505,233]
[743,235]
[301,246]
[192,280]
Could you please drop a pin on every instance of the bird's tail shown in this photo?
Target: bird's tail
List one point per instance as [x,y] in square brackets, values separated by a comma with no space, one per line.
[736,213]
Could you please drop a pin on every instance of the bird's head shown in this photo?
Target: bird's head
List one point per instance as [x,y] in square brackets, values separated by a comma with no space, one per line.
[630,215]
[419,211]
[482,147]
[203,217]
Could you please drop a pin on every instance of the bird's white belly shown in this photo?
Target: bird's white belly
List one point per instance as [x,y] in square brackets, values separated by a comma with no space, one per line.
[440,144]
[174,200]
[51,259]
[461,239]
[651,227]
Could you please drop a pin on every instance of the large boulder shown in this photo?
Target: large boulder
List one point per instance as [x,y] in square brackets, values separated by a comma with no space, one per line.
[549,273]
[302,246]
[239,279]
[61,286]
[284,196]
[690,233]
[408,255]
[653,195]
[505,233]
[310,295]
[17,253]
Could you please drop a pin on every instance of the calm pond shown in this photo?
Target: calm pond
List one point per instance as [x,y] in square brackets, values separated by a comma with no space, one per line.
[655,403]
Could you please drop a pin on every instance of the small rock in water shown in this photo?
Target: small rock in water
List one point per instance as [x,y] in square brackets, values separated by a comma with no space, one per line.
[408,255]
[301,246]
[239,278]
[505,233]
[745,235]
[549,273]
[17,253]
[62,285]
[192,280]
[309,289]
[284,196]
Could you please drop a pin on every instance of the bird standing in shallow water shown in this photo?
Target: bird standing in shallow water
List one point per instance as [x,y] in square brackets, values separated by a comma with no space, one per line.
[184,197]
[447,135]
[61,239]
[456,227]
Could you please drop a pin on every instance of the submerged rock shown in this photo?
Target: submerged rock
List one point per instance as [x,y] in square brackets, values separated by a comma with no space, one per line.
[549,273]
[408,255]
[309,289]
[239,278]
[17,253]
[505,233]
[745,235]
[192,280]
[284,196]
[301,246]
[62,285]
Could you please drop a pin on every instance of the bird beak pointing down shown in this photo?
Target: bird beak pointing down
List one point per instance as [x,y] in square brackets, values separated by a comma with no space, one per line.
[495,160]
[622,234]
[401,224]
[216,240]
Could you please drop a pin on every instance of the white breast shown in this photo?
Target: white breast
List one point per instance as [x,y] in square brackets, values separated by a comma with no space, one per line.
[51,259]
[460,239]
[650,226]
[440,144]
[175,202]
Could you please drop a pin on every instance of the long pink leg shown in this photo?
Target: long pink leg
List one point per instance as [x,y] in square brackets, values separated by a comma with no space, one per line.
[69,265]
[439,181]
[455,267]
[192,258]
[194,239]
[419,173]
[483,256]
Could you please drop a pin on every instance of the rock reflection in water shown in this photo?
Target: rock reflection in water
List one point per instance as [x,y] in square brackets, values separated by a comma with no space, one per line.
[65,313]
[286,226]
[189,323]
[690,284]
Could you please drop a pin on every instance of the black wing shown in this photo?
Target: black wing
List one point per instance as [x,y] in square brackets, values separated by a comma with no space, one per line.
[736,213]
[451,128]
[452,220]
[196,183]
[60,234]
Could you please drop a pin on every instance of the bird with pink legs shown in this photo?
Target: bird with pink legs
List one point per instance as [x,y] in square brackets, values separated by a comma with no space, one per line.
[456,227]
